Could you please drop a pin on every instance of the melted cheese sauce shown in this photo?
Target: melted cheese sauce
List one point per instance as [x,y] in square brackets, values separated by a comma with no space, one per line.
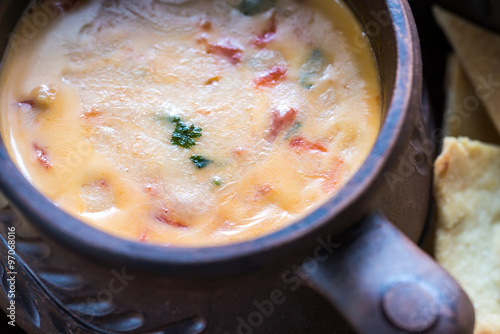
[287,101]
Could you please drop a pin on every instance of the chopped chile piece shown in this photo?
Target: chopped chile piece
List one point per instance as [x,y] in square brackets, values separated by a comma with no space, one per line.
[254,7]
[312,69]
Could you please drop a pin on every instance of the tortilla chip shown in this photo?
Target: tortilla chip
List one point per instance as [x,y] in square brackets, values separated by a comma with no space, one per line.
[479,53]
[467,192]
[458,121]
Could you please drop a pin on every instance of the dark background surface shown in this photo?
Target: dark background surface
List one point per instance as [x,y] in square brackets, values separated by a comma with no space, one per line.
[434,49]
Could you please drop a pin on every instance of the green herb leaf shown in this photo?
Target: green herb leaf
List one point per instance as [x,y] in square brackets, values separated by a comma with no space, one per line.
[200,161]
[312,69]
[184,135]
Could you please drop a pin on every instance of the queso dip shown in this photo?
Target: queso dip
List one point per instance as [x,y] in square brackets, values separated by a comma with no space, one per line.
[189,123]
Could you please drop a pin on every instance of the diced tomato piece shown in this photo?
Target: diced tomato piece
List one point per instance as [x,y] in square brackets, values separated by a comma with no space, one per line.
[41,156]
[332,178]
[66,5]
[281,120]
[299,143]
[267,36]
[166,218]
[227,50]
[271,77]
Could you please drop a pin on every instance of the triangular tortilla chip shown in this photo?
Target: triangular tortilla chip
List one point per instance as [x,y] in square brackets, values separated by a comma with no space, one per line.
[467,193]
[479,52]
[458,121]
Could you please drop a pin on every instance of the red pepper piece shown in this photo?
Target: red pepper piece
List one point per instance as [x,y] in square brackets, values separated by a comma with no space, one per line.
[281,120]
[227,50]
[66,5]
[271,77]
[267,36]
[332,180]
[299,143]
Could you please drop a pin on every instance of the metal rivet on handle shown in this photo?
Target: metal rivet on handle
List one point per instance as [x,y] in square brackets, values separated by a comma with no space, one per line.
[410,307]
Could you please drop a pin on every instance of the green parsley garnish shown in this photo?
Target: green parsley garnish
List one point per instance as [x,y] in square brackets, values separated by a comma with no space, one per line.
[184,135]
[217,181]
[200,161]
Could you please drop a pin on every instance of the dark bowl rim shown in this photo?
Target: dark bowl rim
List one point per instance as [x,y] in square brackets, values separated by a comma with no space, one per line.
[100,246]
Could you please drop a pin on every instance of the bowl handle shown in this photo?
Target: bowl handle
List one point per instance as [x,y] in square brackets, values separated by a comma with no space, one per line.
[381,282]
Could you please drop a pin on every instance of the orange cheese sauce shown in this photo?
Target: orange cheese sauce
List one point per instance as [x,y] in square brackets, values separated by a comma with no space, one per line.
[189,123]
